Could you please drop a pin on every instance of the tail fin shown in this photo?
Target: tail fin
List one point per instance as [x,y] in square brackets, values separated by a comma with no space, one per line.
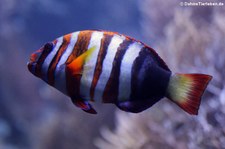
[186,90]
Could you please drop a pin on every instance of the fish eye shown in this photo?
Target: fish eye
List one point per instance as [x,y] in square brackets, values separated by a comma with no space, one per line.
[48,46]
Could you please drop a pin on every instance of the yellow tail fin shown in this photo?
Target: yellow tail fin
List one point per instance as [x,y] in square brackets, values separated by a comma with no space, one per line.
[186,90]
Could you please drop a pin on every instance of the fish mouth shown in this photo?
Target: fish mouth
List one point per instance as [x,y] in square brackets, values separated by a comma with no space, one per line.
[31,64]
[34,57]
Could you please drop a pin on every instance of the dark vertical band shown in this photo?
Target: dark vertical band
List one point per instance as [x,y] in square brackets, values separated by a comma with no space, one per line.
[81,45]
[149,80]
[54,62]
[41,60]
[110,94]
[107,37]
[73,82]
[137,74]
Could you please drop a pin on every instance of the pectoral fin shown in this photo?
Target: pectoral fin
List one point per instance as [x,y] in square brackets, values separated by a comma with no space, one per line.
[76,66]
[85,106]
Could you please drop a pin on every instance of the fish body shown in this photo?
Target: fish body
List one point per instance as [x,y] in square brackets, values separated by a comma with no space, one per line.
[109,67]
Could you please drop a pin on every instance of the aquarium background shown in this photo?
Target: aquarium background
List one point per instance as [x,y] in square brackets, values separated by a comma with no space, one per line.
[34,115]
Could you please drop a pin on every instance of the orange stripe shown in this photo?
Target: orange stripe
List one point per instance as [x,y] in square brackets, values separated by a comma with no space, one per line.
[101,55]
[51,69]
[73,82]
[81,45]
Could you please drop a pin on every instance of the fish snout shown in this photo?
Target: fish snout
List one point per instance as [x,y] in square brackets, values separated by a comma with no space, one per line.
[33,60]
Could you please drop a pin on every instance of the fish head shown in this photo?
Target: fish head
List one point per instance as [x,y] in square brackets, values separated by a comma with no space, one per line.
[37,58]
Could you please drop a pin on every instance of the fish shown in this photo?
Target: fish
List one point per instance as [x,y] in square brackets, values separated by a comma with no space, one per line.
[109,67]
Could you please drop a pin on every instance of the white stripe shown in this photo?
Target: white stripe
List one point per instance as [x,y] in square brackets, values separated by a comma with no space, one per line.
[49,58]
[60,74]
[125,70]
[89,66]
[107,66]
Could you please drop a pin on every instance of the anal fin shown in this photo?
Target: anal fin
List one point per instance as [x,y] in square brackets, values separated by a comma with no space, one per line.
[134,106]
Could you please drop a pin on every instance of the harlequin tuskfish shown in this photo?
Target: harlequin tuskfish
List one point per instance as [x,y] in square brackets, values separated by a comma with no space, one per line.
[113,68]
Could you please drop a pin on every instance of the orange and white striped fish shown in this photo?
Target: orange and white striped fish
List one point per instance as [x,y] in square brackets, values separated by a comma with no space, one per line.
[109,67]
